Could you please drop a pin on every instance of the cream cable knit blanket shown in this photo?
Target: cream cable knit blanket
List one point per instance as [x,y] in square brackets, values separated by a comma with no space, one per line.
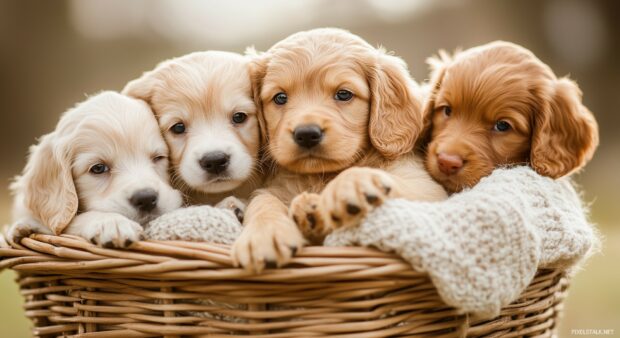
[481,247]
[197,224]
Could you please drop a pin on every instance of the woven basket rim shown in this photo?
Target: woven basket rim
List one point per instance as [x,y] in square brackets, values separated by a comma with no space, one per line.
[172,259]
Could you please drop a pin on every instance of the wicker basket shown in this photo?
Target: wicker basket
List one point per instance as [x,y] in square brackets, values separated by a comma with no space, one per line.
[183,289]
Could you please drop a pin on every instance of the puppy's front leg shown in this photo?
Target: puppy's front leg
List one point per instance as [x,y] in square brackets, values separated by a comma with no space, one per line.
[355,192]
[269,237]
[105,229]
[305,212]
[349,197]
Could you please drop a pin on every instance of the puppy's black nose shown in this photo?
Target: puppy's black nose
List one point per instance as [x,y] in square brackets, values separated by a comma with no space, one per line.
[144,200]
[308,136]
[215,162]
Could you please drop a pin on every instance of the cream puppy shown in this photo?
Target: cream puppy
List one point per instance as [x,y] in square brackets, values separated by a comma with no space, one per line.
[101,174]
[203,102]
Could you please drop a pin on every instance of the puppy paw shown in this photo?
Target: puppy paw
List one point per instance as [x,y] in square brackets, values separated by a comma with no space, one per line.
[304,212]
[21,230]
[349,197]
[266,245]
[233,204]
[108,231]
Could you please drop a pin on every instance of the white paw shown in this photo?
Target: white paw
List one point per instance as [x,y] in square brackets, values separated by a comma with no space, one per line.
[109,231]
[23,229]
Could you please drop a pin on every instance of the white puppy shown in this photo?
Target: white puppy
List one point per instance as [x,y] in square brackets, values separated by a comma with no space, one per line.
[101,174]
[205,108]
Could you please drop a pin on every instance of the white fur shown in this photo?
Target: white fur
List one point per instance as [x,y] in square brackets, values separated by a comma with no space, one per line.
[203,90]
[57,183]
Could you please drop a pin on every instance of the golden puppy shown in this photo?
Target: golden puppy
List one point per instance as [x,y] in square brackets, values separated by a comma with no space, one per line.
[330,101]
[101,174]
[203,102]
[498,104]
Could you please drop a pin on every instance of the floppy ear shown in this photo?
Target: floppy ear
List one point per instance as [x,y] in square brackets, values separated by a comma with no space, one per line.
[142,87]
[565,132]
[395,107]
[258,69]
[49,192]
[438,65]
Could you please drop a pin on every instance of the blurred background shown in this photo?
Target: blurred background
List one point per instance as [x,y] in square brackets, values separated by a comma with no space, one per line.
[53,53]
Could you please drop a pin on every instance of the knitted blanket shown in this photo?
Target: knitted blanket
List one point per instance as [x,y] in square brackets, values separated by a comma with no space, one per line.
[196,224]
[481,247]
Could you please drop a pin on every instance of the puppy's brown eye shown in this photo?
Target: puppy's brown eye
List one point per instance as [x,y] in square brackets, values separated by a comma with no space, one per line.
[502,126]
[280,98]
[447,110]
[239,117]
[343,95]
[178,128]
[99,169]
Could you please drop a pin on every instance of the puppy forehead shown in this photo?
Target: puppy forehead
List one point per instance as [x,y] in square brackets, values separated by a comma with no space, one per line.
[196,87]
[488,88]
[315,69]
[321,39]
[482,97]
[197,77]
[113,125]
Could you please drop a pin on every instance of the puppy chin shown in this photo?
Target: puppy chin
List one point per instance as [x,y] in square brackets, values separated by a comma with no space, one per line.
[452,183]
[197,179]
[466,178]
[312,162]
[169,199]
[127,211]
[313,165]
[220,186]
[144,219]
[335,153]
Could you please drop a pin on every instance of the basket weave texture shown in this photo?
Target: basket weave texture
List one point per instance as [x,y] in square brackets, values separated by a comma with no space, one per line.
[185,289]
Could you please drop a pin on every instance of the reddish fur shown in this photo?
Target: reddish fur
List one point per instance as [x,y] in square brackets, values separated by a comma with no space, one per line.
[552,130]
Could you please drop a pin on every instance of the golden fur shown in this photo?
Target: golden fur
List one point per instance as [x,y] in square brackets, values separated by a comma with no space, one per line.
[203,90]
[58,193]
[376,128]
[550,128]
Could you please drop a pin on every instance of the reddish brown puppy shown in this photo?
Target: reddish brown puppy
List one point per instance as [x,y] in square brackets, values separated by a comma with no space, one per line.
[497,105]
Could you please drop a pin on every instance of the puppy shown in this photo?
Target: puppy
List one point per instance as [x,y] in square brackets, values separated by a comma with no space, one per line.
[497,105]
[203,102]
[329,101]
[101,174]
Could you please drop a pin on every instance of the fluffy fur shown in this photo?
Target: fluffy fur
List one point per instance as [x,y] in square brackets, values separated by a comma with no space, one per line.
[376,128]
[549,127]
[203,91]
[58,192]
